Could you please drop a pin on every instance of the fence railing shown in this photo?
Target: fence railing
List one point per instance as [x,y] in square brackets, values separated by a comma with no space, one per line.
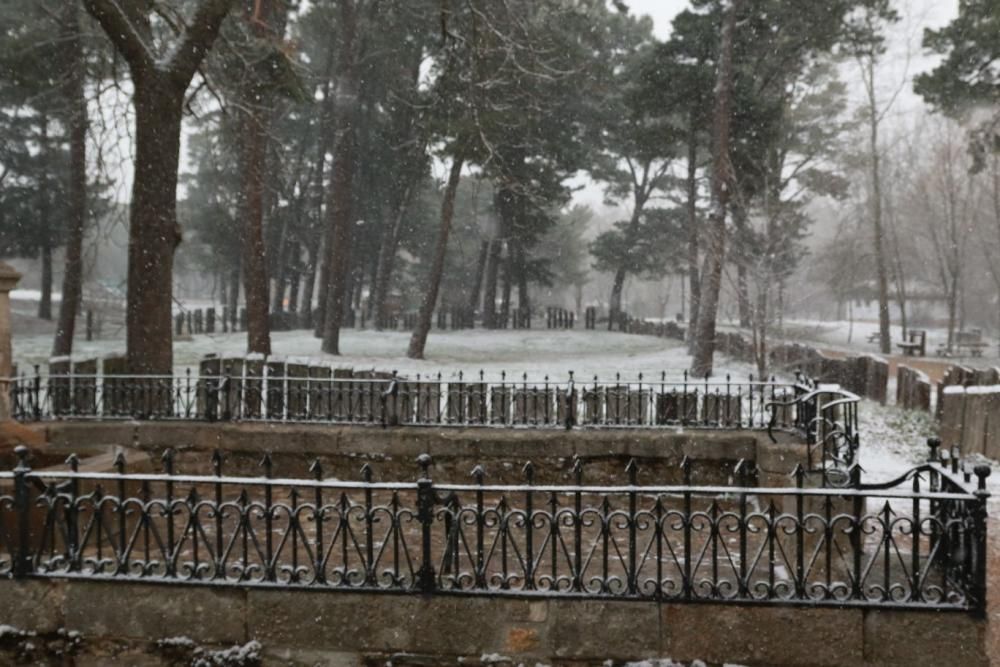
[915,542]
[825,415]
[387,399]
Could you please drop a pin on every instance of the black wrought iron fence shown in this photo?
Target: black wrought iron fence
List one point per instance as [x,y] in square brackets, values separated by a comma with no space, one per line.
[388,399]
[918,541]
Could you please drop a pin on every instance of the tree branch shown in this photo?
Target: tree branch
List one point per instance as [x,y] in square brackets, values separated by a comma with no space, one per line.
[197,39]
[126,26]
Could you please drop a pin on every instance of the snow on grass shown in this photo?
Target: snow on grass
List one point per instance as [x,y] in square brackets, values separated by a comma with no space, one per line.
[537,353]
[894,440]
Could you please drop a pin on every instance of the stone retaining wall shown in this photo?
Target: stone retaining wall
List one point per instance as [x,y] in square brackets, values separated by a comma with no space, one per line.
[128,623]
[392,451]
[866,375]
[913,389]
[970,418]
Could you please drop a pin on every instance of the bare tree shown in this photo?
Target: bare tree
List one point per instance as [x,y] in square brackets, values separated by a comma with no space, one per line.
[161,72]
[419,338]
[950,201]
[711,279]
[76,121]
[339,209]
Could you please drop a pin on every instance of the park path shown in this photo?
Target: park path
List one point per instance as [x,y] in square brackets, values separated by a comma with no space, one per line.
[934,368]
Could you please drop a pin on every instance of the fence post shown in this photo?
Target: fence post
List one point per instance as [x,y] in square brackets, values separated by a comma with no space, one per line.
[22,506]
[37,388]
[426,582]
[570,403]
[227,406]
[981,546]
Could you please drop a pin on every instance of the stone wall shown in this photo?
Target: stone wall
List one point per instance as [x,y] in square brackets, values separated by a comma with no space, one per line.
[970,418]
[913,389]
[963,376]
[392,451]
[147,624]
[866,375]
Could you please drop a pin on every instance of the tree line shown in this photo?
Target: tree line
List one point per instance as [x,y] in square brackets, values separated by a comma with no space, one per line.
[343,152]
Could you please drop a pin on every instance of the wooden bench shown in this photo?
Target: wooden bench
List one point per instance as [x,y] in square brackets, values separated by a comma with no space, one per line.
[971,341]
[915,344]
[874,337]
[974,349]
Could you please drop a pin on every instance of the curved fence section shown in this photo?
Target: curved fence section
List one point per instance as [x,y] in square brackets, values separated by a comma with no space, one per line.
[915,542]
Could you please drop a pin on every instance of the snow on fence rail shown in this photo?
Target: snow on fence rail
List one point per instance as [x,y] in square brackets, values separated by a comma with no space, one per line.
[270,389]
[915,542]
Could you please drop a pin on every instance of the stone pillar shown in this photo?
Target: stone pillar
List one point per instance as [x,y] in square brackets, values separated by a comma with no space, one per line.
[8,279]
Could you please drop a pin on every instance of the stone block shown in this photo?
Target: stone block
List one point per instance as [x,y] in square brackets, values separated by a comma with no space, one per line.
[147,611]
[441,625]
[35,604]
[924,638]
[981,427]
[762,635]
[601,630]
[951,406]
[780,457]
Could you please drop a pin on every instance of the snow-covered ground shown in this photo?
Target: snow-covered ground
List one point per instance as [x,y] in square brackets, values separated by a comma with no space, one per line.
[892,440]
[537,352]
[843,335]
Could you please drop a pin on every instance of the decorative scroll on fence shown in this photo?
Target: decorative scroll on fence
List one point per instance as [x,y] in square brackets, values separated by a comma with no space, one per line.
[918,541]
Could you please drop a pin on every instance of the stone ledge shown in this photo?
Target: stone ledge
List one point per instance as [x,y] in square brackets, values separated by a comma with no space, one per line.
[348,628]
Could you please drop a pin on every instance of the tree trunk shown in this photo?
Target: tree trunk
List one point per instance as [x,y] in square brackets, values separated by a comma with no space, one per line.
[419,339]
[387,258]
[280,280]
[508,277]
[158,97]
[45,247]
[952,313]
[742,277]
[294,287]
[721,186]
[615,302]
[341,231]
[882,272]
[490,288]
[523,300]
[477,280]
[321,238]
[308,285]
[692,219]
[45,255]
[255,283]
[76,102]
[234,288]
[153,230]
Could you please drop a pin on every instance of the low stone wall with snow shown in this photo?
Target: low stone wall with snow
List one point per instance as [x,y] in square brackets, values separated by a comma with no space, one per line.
[866,375]
[964,376]
[149,624]
[913,389]
[970,418]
